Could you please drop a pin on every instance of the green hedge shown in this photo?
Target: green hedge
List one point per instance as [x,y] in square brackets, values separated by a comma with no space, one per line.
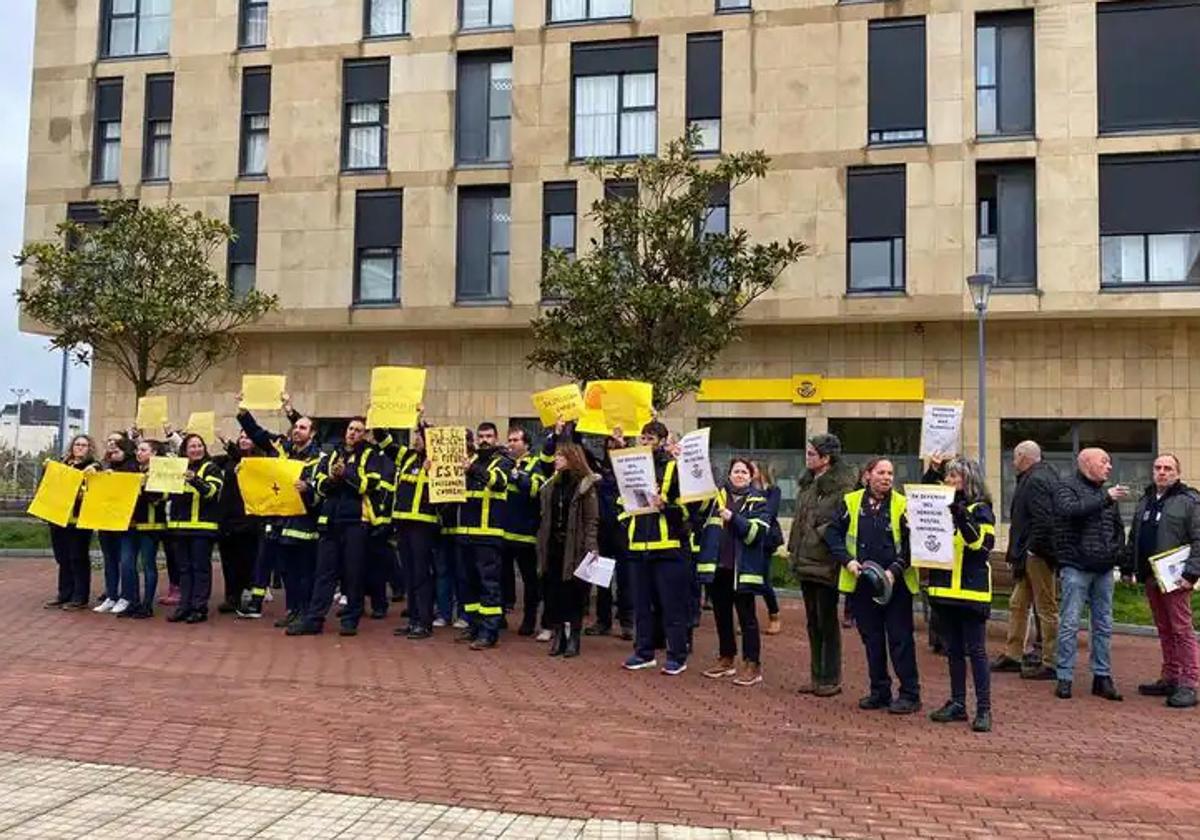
[23,533]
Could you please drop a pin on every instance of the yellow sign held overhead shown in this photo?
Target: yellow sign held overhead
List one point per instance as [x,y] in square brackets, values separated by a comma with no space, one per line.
[565,401]
[55,499]
[268,486]
[203,423]
[263,392]
[396,393]
[108,500]
[613,403]
[151,414]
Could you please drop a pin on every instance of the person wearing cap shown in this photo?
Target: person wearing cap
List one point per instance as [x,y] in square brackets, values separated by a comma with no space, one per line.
[961,596]
[826,480]
[869,539]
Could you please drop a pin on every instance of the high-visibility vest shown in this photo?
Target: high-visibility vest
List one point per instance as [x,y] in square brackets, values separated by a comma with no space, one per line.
[412,489]
[650,531]
[957,584]
[847,582]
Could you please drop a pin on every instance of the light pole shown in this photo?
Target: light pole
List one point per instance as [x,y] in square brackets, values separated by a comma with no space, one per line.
[62,402]
[19,393]
[981,289]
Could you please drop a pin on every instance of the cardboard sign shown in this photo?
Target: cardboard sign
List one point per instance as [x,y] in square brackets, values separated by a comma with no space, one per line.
[941,428]
[396,392]
[930,525]
[565,401]
[695,470]
[616,403]
[203,423]
[108,501]
[54,501]
[268,486]
[263,392]
[447,448]
[151,414]
[166,474]
[636,481]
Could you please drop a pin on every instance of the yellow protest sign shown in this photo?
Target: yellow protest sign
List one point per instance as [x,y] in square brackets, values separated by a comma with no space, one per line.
[262,392]
[54,501]
[395,394]
[151,413]
[616,402]
[108,501]
[565,401]
[268,486]
[447,448]
[166,474]
[203,423]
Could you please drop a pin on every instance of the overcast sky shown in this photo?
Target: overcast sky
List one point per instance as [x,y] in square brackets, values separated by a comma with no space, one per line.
[25,361]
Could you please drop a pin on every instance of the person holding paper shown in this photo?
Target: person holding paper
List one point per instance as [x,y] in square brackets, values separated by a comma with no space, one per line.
[115,545]
[657,546]
[612,544]
[1167,518]
[961,597]
[733,565]
[569,510]
[521,520]
[193,521]
[239,537]
[288,542]
[149,528]
[870,528]
[69,543]
[417,533]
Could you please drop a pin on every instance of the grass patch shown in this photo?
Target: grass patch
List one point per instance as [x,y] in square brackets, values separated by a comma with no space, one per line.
[24,533]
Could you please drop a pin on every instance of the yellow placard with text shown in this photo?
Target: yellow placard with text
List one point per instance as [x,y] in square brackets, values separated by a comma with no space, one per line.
[616,403]
[268,486]
[262,392]
[55,498]
[166,474]
[203,423]
[151,414]
[396,393]
[565,401]
[108,500]
[446,447]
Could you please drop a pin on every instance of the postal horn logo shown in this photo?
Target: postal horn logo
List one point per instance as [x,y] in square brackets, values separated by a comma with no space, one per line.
[697,471]
[932,543]
[807,389]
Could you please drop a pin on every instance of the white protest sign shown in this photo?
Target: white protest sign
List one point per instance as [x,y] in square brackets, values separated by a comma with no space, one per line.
[941,428]
[1168,567]
[695,468]
[634,469]
[596,570]
[930,525]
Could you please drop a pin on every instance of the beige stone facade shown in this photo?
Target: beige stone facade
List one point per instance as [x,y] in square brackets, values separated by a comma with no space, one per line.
[794,84]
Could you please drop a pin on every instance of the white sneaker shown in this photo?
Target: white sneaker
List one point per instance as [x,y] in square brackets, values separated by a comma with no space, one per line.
[545,636]
[120,607]
[107,606]
[460,624]
[439,622]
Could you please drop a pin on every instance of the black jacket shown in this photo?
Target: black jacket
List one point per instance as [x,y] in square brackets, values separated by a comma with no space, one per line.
[1088,533]
[1178,525]
[1032,515]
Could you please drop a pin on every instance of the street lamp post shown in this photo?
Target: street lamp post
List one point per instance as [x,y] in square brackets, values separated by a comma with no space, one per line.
[19,393]
[981,290]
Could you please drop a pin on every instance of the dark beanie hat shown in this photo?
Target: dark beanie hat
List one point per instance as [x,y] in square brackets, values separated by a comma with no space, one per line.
[826,445]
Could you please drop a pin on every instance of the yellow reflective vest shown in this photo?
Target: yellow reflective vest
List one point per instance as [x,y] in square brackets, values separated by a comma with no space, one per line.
[847,582]
[970,579]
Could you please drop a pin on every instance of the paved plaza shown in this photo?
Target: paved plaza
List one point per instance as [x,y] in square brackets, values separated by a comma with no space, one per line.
[152,730]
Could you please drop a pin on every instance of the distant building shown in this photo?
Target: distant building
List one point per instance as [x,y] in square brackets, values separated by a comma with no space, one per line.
[38,425]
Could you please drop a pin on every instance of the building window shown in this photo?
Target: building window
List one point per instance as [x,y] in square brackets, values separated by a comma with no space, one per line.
[875,225]
[484,108]
[778,443]
[106,160]
[619,189]
[484,216]
[704,89]
[1148,65]
[366,94]
[896,438]
[386,17]
[135,27]
[1130,443]
[896,81]
[252,25]
[615,98]
[378,231]
[1004,74]
[1150,219]
[243,247]
[256,120]
[558,218]
[160,103]
[566,11]
[484,14]
[732,5]
[1006,222]
[716,220]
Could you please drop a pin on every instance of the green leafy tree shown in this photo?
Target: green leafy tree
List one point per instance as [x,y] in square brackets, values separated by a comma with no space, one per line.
[138,291]
[657,298]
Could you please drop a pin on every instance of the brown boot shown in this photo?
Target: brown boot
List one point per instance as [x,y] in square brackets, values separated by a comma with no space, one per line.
[774,625]
[749,674]
[723,668]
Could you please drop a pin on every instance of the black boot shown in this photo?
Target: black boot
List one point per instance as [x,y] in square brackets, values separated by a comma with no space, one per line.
[558,645]
[1106,688]
[573,640]
[1062,690]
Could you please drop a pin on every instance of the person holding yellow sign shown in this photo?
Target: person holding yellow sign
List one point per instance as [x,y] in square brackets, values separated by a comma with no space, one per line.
[69,543]
[116,545]
[149,528]
[193,521]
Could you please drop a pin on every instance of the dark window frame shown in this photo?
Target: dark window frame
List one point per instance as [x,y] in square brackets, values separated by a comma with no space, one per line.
[248,130]
[489,59]
[587,15]
[233,259]
[560,187]
[1000,169]
[244,9]
[878,137]
[743,6]
[696,110]
[405,29]
[150,131]
[395,252]
[491,24]
[99,140]
[107,16]
[380,124]
[621,111]
[896,242]
[491,194]
[997,21]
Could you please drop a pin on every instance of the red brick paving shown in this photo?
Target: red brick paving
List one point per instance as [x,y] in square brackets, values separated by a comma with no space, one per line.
[515,730]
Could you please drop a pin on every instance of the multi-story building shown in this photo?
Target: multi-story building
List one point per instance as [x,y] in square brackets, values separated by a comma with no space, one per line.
[32,426]
[395,169]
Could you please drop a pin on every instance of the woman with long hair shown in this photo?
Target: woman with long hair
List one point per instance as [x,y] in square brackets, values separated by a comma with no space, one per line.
[763,477]
[570,518]
[239,535]
[149,526]
[732,563]
[118,457]
[70,544]
[193,521]
[961,597]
